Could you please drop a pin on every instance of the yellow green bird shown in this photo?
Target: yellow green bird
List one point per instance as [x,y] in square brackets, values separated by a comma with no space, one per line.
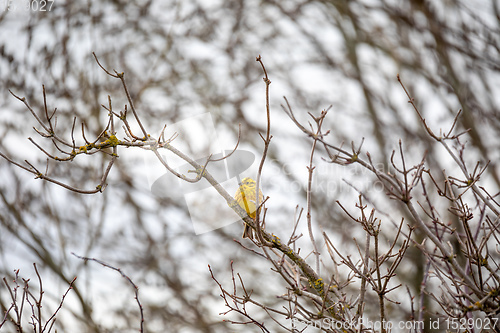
[245,197]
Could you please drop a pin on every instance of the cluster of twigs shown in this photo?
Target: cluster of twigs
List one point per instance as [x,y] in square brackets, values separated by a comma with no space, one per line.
[25,301]
[462,256]
[468,271]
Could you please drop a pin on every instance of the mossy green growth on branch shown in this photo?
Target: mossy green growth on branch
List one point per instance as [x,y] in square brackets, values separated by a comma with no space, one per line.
[111,141]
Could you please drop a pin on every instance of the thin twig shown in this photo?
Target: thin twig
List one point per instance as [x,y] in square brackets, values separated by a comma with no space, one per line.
[126,277]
